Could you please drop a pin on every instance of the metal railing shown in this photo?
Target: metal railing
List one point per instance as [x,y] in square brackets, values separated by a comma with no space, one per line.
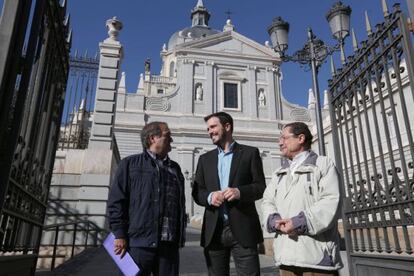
[372,131]
[79,99]
[76,227]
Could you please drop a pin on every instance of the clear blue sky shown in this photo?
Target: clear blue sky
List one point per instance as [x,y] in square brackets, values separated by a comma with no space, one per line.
[149,24]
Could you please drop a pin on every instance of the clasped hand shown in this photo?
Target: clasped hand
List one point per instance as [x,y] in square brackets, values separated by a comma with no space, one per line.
[229,194]
[286,226]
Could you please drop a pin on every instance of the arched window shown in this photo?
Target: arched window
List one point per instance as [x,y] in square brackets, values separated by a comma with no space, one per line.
[172,69]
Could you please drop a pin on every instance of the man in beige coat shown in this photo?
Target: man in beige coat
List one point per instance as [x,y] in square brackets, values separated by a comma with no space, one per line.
[301,206]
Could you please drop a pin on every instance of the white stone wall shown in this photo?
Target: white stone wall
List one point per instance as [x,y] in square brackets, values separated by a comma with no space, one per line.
[361,148]
[208,62]
[80,185]
[191,140]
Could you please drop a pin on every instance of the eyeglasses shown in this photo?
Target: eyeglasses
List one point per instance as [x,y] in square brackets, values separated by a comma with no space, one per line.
[282,137]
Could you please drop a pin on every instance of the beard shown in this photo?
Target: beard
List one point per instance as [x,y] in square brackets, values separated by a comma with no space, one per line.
[221,139]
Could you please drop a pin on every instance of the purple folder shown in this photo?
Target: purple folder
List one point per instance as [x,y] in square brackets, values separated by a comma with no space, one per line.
[126,264]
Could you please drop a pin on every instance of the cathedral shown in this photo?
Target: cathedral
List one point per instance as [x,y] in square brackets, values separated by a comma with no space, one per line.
[204,71]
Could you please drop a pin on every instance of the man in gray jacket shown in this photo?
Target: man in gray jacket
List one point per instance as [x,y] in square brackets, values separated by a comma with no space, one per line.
[301,205]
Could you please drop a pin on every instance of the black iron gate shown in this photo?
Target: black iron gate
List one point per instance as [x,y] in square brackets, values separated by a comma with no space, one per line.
[34,63]
[79,101]
[371,105]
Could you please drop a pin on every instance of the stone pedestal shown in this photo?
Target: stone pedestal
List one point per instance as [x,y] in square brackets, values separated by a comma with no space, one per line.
[82,177]
[111,54]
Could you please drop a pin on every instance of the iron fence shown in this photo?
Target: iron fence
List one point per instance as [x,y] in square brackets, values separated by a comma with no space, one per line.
[370,102]
[32,88]
[78,109]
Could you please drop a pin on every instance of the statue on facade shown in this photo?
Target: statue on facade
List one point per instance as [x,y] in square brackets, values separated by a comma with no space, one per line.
[261,98]
[147,65]
[199,93]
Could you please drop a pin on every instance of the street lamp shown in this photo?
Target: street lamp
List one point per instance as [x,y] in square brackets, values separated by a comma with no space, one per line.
[314,52]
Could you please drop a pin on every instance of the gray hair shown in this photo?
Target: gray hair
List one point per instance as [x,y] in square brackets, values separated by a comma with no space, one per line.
[151,129]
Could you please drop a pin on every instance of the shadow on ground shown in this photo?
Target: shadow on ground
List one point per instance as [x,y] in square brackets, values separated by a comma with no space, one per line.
[97,262]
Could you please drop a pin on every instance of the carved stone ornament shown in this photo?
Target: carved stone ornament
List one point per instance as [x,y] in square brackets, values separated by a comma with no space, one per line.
[114,26]
[158,104]
[261,98]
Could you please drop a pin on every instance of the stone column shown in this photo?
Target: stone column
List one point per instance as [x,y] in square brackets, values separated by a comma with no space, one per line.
[101,157]
[251,93]
[187,95]
[186,156]
[111,54]
[274,98]
[209,91]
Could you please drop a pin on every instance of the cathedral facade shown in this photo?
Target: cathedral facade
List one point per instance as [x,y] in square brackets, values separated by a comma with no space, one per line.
[205,71]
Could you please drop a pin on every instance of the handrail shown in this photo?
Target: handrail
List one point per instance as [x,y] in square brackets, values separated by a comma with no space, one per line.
[76,229]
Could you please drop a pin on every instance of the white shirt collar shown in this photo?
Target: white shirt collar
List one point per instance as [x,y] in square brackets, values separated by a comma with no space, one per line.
[298,160]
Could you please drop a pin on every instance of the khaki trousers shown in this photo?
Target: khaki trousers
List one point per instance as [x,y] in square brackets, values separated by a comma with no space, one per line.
[303,271]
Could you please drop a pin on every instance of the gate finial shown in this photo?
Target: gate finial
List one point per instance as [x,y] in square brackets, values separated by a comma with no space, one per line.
[64,6]
[385,8]
[325,99]
[354,41]
[368,24]
[69,37]
[66,22]
[333,70]
[343,59]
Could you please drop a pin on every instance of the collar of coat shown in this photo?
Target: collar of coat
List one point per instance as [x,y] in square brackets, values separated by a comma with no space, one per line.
[306,166]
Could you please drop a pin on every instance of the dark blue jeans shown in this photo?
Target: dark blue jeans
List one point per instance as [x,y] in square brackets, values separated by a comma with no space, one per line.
[246,259]
[163,260]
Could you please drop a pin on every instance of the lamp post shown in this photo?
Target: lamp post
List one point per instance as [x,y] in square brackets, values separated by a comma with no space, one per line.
[190,177]
[314,52]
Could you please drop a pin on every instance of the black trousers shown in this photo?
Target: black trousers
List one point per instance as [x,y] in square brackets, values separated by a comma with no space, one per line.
[163,260]
[217,254]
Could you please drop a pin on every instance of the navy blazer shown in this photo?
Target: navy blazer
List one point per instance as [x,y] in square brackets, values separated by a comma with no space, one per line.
[246,174]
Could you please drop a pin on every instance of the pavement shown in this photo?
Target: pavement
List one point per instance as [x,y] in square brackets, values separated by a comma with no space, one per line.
[97,262]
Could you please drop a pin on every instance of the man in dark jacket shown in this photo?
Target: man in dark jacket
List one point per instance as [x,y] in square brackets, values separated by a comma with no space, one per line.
[146,205]
[229,179]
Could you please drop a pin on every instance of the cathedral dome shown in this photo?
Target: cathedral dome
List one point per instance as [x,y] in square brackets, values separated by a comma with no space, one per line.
[199,29]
